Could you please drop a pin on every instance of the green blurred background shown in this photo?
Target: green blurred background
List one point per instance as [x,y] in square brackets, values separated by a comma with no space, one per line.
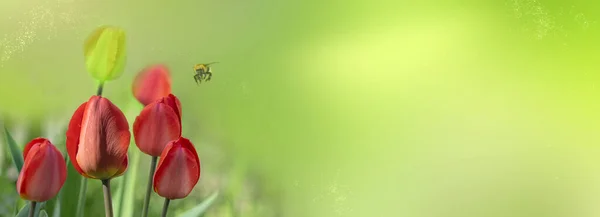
[339,108]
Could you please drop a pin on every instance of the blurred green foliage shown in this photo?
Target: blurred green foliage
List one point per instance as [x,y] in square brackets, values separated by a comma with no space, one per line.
[339,108]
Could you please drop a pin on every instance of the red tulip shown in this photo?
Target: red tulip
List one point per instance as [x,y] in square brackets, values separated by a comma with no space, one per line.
[98,138]
[151,84]
[158,123]
[44,171]
[178,170]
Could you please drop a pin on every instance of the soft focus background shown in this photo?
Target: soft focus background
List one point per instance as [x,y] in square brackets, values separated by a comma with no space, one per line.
[337,108]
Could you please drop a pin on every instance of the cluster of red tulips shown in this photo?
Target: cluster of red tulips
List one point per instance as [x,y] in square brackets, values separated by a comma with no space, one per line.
[98,136]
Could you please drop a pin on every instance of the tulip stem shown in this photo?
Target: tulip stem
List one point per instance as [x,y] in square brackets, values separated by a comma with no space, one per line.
[149,188]
[165,207]
[107,199]
[32,208]
[100,88]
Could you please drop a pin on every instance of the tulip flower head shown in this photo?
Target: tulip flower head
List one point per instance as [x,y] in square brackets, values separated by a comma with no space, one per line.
[105,53]
[178,170]
[151,84]
[98,139]
[158,123]
[44,171]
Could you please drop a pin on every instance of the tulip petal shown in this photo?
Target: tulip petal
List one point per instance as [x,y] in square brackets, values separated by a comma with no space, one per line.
[33,142]
[174,103]
[178,170]
[151,84]
[73,133]
[104,140]
[44,172]
[122,169]
[156,125]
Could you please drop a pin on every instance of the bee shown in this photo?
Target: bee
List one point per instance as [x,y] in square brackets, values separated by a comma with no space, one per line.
[202,71]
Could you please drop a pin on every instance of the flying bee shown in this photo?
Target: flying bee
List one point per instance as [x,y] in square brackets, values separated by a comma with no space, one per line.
[202,71]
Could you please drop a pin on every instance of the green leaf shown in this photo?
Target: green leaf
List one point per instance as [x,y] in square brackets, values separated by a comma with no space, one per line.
[43,213]
[118,196]
[15,151]
[202,207]
[129,181]
[25,210]
[130,184]
[53,205]
[16,208]
[105,53]
[68,197]
[81,197]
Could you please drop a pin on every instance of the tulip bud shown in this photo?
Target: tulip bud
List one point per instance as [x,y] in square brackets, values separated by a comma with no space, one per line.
[151,84]
[98,138]
[178,170]
[158,124]
[44,171]
[105,53]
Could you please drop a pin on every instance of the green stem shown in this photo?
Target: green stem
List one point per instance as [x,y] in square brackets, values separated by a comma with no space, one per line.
[165,207]
[32,208]
[100,88]
[107,199]
[82,192]
[149,187]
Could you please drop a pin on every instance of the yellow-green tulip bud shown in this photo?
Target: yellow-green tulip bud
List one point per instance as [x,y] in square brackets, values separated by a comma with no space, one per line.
[105,54]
